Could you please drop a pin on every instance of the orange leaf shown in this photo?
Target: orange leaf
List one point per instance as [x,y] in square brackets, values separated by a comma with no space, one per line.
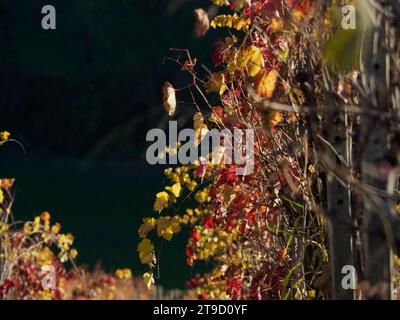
[267,84]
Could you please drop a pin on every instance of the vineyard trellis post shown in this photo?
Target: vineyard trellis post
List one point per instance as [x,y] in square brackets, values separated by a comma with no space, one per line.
[379,58]
[340,207]
[377,255]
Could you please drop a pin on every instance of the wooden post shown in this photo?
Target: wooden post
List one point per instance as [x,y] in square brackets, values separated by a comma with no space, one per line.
[339,208]
[376,251]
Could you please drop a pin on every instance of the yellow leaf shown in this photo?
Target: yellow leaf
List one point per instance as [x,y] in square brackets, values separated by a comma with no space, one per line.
[176,189]
[251,58]
[161,201]
[276,25]
[231,21]
[123,273]
[201,196]
[148,279]
[273,118]
[4,135]
[146,227]
[176,224]
[221,2]
[216,83]
[55,229]
[267,84]
[73,253]
[146,252]
[164,228]
[36,224]
[28,228]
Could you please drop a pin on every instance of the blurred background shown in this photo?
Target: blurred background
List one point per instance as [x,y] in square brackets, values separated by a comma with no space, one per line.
[81,99]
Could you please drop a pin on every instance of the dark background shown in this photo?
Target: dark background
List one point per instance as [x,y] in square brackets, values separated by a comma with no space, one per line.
[80,100]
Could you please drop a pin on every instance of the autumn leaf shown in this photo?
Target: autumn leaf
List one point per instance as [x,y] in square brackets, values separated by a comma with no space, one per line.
[202,22]
[148,279]
[123,273]
[251,58]
[231,21]
[176,189]
[221,3]
[277,25]
[4,136]
[216,83]
[201,196]
[7,183]
[267,84]
[167,227]
[161,201]
[146,252]
[169,98]
[164,228]
[273,117]
[147,225]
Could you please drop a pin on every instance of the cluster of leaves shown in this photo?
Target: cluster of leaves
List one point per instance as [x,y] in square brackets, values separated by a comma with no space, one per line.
[27,253]
[255,229]
[80,284]
[34,256]
[280,72]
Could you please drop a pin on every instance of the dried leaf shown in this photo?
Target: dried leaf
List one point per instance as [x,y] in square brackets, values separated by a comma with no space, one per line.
[202,22]
[169,98]
[148,279]
[216,83]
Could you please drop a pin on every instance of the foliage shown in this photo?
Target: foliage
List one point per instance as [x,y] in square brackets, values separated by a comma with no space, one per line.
[256,229]
[29,251]
[35,253]
[284,70]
